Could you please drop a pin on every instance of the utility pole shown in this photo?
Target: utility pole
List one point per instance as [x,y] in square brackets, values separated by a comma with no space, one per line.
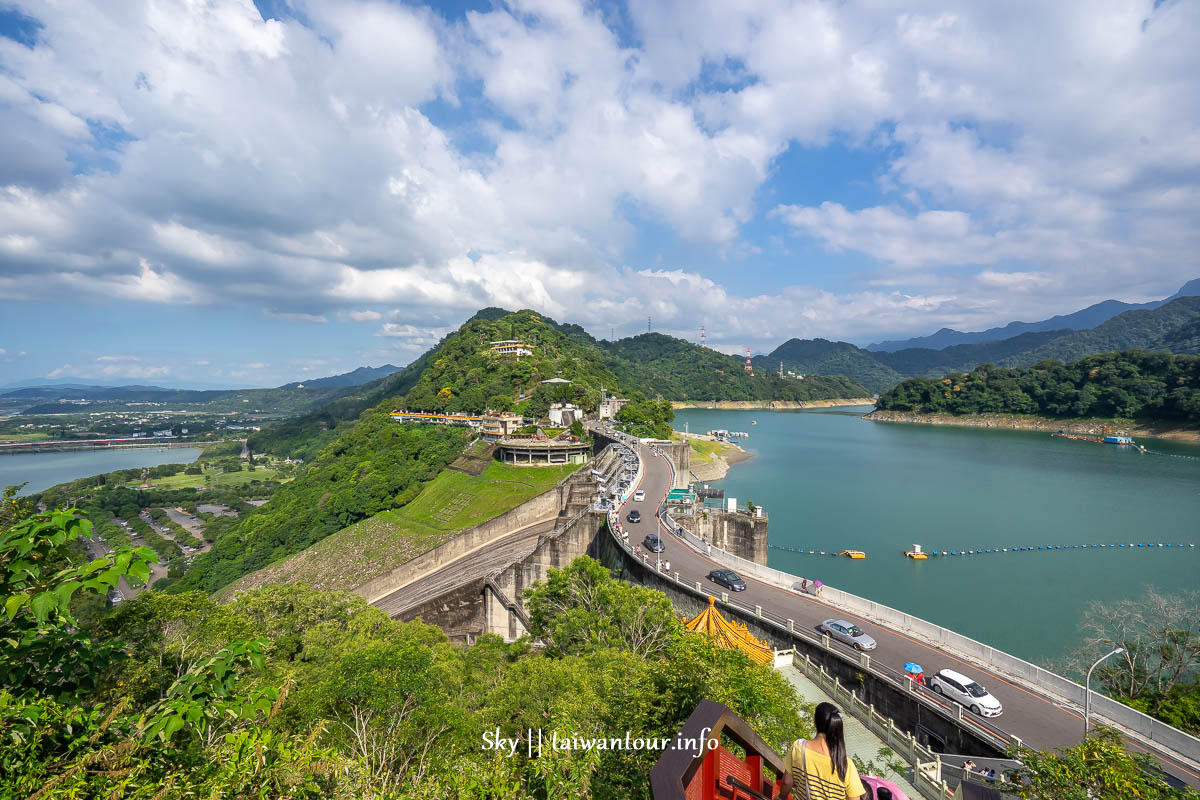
[1087,691]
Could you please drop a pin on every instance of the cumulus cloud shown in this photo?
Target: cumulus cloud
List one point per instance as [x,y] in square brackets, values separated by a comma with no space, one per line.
[183,153]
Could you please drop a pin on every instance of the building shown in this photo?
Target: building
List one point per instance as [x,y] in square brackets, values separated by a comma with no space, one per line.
[531,452]
[512,347]
[609,406]
[563,414]
[469,420]
[497,424]
[556,382]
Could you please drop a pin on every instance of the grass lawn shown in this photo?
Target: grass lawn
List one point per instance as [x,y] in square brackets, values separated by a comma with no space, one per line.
[704,450]
[377,545]
[498,489]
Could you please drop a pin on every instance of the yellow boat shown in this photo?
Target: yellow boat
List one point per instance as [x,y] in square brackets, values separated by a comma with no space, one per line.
[853,553]
[916,553]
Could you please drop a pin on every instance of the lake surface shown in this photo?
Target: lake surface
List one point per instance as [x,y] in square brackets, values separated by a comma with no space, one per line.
[832,481]
[43,470]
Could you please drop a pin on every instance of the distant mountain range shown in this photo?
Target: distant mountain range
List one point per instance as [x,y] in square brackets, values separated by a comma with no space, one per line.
[353,378]
[1172,326]
[1084,319]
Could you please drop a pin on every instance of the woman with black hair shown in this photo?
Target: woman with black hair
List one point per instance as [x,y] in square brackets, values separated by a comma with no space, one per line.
[819,768]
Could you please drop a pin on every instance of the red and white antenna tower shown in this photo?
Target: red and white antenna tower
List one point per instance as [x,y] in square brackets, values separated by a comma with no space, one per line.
[749,369]
[703,341]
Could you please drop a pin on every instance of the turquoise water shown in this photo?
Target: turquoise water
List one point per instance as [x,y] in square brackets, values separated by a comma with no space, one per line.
[831,481]
[43,470]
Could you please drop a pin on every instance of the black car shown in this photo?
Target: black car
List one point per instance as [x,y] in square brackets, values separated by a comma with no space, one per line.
[654,544]
[727,578]
[635,516]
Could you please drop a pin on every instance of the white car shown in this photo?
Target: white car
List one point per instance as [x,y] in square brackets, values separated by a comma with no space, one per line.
[960,688]
[639,496]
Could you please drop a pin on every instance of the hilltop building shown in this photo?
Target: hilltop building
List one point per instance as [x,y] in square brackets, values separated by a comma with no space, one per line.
[470,420]
[512,347]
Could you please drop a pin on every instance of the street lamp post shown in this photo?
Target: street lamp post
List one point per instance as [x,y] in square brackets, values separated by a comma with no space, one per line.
[1087,691]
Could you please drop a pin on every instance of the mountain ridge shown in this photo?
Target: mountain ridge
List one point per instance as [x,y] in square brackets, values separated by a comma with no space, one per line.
[1084,319]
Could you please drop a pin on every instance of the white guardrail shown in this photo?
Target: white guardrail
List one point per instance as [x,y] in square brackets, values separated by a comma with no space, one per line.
[1058,687]
[786,627]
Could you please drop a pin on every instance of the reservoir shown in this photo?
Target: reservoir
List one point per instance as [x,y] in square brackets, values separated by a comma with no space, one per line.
[43,470]
[832,481]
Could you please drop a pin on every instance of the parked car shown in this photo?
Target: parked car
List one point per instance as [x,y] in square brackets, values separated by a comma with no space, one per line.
[654,544]
[847,633]
[634,516]
[960,688]
[727,578]
[639,496]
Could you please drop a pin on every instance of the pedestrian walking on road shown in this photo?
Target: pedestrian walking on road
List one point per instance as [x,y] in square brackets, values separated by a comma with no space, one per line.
[710,548]
[659,565]
[667,564]
[803,585]
[817,587]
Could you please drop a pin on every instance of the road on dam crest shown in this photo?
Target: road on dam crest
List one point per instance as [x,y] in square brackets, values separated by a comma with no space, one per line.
[1039,721]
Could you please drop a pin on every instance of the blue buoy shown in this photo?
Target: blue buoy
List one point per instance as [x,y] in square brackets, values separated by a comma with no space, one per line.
[1122,545]
[1168,544]
[1040,547]
[953,552]
[1139,545]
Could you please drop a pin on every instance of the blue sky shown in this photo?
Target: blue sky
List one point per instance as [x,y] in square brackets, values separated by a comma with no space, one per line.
[242,193]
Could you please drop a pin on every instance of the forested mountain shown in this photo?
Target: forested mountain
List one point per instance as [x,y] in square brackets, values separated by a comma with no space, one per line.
[1085,319]
[1128,331]
[816,357]
[656,364]
[1133,383]
[1171,327]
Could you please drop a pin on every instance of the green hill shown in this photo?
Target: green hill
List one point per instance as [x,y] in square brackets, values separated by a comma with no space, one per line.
[823,357]
[656,364]
[1128,384]
[1133,330]
[1172,327]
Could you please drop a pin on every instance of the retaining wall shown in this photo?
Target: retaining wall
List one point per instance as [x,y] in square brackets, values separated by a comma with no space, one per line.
[542,508]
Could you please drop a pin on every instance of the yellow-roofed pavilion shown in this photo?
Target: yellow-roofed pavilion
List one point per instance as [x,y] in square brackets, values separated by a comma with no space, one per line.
[732,635]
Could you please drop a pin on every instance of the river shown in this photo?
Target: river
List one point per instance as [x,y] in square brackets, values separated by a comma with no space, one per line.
[43,470]
[832,481]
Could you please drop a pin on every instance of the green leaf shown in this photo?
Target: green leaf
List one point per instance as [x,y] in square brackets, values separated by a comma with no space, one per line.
[42,605]
[14,604]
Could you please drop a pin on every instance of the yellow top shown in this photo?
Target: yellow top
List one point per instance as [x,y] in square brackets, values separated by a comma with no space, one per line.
[731,635]
[821,782]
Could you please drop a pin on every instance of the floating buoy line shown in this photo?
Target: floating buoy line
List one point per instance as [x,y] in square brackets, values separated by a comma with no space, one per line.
[991,550]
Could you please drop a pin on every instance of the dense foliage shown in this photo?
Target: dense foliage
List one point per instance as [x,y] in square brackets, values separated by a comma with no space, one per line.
[465,374]
[659,365]
[375,465]
[289,692]
[1098,767]
[815,357]
[647,419]
[1127,384]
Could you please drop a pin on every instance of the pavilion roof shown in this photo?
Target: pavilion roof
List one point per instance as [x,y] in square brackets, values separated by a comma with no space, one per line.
[731,635]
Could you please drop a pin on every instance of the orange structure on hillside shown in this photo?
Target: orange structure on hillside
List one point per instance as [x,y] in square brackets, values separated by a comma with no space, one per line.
[731,635]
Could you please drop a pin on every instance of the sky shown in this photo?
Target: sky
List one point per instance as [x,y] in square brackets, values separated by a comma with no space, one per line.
[224,192]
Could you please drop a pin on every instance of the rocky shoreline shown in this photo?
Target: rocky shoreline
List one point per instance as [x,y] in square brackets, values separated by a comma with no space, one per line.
[717,466]
[733,405]
[1090,427]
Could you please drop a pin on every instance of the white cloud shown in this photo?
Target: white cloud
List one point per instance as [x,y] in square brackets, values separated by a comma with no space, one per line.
[1042,154]
[295,316]
[361,316]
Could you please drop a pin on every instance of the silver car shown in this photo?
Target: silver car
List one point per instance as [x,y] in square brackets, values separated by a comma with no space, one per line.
[847,633]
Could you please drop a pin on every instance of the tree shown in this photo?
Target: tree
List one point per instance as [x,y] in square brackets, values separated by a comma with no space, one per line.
[1161,638]
[577,429]
[1098,767]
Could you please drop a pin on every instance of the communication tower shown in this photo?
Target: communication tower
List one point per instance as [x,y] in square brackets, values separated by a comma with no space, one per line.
[703,341]
[749,369]
[647,324]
